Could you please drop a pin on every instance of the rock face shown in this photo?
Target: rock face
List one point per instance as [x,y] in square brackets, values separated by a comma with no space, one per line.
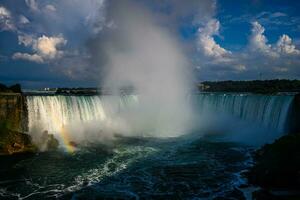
[13,122]
[13,111]
[12,142]
[294,125]
[277,167]
[47,142]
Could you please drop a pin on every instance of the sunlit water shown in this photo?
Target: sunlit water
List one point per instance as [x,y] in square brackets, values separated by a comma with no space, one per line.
[133,168]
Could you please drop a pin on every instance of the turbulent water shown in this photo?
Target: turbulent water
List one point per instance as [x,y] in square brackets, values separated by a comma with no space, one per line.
[191,166]
[130,168]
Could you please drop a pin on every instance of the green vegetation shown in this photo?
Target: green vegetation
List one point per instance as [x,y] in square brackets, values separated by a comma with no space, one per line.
[12,89]
[255,86]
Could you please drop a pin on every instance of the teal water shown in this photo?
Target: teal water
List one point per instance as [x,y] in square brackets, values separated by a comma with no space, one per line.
[129,168]
[201,165]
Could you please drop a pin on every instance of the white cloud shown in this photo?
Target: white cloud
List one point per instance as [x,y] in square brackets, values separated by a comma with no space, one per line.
[240,67]
[285,46]
[6,22]
[277,14]
[50,8]
[275,60]
[4,12]
[23,20]
[30,57]
[258,41]
[32,4]
[206,42]
[26,40]
[48,46]
[45,48]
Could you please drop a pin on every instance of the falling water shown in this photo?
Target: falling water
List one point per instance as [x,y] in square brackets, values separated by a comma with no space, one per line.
[52,112]
[135,167]
[267,110]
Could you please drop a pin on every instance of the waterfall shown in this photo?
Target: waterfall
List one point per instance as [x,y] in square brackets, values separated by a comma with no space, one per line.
[267,110]
[114,113]
[53,112]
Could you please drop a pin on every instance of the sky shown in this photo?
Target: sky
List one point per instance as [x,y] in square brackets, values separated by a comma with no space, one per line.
[63,43]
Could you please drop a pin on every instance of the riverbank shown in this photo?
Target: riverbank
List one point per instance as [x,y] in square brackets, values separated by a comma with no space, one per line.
[277,169]
[13,142]
[14,125]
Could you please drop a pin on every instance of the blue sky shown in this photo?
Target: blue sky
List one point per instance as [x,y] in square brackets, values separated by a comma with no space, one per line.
[50,43]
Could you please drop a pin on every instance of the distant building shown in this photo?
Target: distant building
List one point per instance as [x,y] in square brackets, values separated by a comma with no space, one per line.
[203,87]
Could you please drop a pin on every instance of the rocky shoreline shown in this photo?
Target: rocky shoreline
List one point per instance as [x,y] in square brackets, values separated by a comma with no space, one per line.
[277,170]
[13,142]
[14,124]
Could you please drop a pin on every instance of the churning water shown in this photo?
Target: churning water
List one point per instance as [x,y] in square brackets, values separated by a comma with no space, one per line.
[132,166]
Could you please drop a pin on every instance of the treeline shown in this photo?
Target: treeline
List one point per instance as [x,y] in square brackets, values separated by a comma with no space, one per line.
[77,91]
[12,89]
[255,86]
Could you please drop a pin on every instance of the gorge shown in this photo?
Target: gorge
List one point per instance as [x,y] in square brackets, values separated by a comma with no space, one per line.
[103,152]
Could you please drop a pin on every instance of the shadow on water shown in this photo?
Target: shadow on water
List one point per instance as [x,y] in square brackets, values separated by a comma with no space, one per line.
[201,168]
[130,168]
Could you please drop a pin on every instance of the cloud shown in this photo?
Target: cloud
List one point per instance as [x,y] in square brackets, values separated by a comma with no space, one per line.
[48,46]
[206,42]
[278,14]
[240,67]
[79,22]
[285,46]
[6,23]
[50,8]
[200,11]
[30,57]
[258,41]
[279,59]
[23,20]
[45,48]
[32,4]
[43,27]
[25,40]
[273,20]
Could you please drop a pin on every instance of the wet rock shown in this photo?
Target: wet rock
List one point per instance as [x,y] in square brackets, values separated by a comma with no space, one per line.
[52,142]
[294,118]
[12,142]
[262,194]
[73,144]
[13,112]
[277,166]
[236,194]
[47,142]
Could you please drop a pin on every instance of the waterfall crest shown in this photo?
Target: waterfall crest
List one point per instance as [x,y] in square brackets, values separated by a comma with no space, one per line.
[53,112]
[116,114]
[267,110]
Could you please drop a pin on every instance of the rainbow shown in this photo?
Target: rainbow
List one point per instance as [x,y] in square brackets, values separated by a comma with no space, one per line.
[64,135]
